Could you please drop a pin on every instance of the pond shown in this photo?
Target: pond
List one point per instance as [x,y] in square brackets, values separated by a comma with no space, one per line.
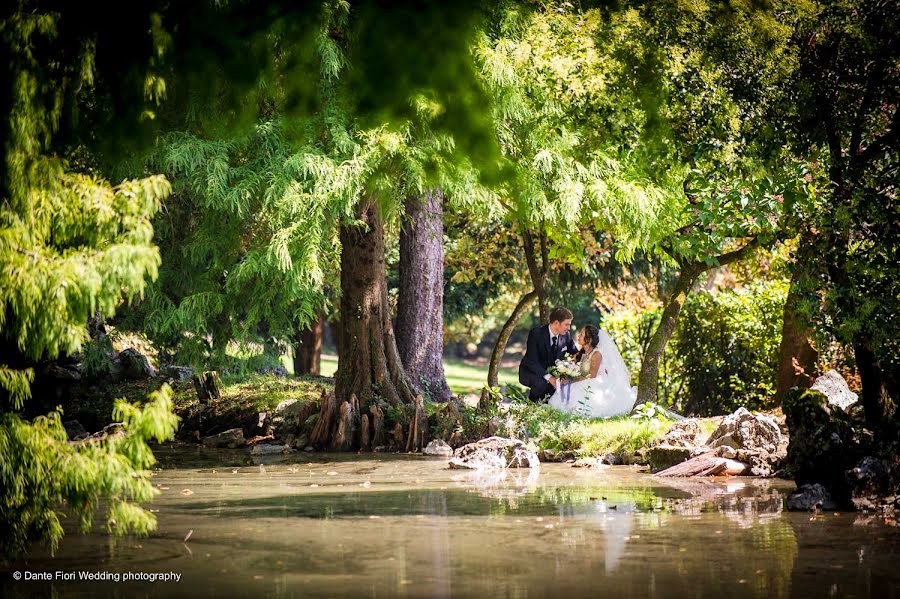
[320,525]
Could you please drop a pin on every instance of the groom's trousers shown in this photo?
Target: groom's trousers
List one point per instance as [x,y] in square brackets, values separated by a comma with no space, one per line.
[539,388]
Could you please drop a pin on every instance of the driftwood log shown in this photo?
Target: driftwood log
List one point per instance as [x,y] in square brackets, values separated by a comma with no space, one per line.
[707,464]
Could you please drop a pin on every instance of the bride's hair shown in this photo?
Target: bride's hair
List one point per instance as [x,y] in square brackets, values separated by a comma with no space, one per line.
[592,332]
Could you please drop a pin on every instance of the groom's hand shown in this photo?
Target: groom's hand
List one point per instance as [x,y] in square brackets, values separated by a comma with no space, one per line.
[553,381]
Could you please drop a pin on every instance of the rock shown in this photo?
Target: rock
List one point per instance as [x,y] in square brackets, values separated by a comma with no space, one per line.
[611,459]
[75,430]
[686,433]
[663,457]
[809,497]
[264,423]
[822,444]
[588,463]
[438,447]
[874,482]
[279,371]
[743,430]
[232,438]
[494,452]
[135,365]
[552,455]
[64,372]
[179,374]
[833,386]
[269,449]
[707,464]
[290,416]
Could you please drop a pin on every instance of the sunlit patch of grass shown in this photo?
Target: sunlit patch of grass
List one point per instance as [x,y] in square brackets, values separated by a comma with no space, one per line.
[463,377]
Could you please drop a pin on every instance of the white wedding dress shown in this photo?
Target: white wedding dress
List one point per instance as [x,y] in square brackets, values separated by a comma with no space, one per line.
[609,394]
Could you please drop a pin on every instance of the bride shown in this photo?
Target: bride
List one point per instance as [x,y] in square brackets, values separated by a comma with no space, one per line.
[604,387]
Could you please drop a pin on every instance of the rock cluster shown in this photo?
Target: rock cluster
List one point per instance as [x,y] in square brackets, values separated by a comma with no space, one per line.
[494,452]
[743,443]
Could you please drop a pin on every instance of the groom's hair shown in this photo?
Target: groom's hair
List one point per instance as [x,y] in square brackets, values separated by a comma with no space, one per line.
[560,314]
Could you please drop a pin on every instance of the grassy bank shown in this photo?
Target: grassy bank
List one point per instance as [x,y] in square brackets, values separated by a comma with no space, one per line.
[462,376]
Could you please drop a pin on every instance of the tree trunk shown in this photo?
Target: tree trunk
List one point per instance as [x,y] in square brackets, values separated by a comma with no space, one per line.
[493,379]
[420,302]
[874,394]
[797,358]
[538,272]
[369,365]
[308,350]
[649,375]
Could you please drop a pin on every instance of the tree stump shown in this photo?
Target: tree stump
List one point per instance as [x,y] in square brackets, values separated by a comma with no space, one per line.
[398,436]
[321,433]
[418,427]
[346,427]
[208,385]
[377,425]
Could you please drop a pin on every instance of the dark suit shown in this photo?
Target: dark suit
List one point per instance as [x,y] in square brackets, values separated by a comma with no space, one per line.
[539,357]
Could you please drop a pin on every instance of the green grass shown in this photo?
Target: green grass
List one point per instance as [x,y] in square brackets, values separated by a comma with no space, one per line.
[462,377]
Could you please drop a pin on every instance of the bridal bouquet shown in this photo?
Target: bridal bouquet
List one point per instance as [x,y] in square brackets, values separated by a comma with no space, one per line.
[565,369]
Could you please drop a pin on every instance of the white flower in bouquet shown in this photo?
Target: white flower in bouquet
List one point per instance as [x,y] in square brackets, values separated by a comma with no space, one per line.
[565,369]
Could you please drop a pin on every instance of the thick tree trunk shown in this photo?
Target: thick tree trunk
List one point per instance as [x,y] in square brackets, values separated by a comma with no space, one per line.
[308,350]
[874,393]
[649,375]
[493,379]
[369,366]
[797,358]
[420,303]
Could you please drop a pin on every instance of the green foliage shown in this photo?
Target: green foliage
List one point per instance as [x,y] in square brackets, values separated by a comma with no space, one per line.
[114,469]
[650,411]
[728,343]
[97,361]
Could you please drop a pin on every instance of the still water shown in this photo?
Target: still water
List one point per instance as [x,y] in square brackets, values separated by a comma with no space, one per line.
[384,526]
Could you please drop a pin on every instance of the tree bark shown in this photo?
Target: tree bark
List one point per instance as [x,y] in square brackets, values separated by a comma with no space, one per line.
[308,350]
[369,365]
[648,378]
[874,392]
[420,302]
[797,358]
[538,272]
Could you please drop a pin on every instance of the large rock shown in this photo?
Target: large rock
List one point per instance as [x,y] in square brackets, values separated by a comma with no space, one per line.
[874,482]
[686,433]
[811,497]
[822,445]
[743,430]
[232,438]
[267,449]
[494,452]
[663,457]
[438,447]
[179,374]
[135,365]
[835,389]
[290,415]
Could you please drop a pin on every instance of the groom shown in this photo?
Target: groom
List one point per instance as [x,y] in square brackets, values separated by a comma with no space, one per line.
[546,344]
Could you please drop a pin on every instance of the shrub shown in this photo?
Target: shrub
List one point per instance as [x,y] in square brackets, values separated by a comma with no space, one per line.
[728,346]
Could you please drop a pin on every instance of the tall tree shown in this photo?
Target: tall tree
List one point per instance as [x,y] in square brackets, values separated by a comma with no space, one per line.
[420,298]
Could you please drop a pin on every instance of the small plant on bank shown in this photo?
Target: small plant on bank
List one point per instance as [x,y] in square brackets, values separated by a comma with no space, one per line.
[650,411]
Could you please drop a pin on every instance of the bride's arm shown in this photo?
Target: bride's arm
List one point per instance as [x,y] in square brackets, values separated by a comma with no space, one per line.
[596,359]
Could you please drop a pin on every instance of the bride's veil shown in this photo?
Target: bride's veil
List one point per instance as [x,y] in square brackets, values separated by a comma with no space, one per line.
[613,367]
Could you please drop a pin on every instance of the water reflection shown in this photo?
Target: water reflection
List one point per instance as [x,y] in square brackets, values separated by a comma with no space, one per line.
[324,526]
